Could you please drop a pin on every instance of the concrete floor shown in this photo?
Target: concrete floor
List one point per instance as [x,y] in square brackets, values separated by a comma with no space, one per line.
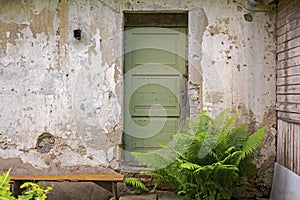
[159,196]
[91,191]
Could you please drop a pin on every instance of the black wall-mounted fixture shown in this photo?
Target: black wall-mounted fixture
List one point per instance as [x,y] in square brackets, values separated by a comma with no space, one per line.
[77,34]
[248,17]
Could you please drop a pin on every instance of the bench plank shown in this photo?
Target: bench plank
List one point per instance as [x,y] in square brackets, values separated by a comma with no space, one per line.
[101,179]
[71,177]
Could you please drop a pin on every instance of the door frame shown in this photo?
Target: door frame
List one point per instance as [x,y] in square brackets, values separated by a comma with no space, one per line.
[141,20]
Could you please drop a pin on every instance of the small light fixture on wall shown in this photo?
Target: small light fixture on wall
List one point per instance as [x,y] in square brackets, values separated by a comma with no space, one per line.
[248,17]
[77,34]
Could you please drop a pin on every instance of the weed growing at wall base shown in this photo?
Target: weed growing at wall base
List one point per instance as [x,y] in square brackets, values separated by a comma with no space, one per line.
[32,190]
[209,158]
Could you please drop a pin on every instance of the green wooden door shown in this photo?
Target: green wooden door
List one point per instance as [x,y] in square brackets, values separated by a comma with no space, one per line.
[154,92]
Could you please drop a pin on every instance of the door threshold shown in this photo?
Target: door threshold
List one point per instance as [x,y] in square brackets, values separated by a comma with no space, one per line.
[134,167]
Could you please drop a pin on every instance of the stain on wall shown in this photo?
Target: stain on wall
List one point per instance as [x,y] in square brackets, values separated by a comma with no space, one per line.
[51,82]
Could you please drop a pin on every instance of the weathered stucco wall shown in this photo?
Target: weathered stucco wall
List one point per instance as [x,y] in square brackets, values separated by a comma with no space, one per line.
[72,89]
[51,82]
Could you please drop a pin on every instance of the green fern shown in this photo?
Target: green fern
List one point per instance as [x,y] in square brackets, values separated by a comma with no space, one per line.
[159,177]
[190,166]
[153,160]
[233,158]
[253,142]
[208,159]
[135,183]
[238,136]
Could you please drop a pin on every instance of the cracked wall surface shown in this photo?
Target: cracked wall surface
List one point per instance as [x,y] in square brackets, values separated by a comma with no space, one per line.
[73,89]
[51,82]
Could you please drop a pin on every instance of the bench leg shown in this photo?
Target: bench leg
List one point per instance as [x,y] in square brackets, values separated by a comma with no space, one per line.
[16,188]
[109,186]
[114,190]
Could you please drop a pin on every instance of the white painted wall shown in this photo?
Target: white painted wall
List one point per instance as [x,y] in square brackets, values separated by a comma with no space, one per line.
[51,82]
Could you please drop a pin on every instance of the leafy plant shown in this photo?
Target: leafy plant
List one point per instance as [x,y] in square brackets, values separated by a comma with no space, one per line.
[5,193]
[207,160]
[136,183]
[32,190]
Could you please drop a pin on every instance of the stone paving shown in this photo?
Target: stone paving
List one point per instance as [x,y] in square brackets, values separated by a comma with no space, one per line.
[158,196]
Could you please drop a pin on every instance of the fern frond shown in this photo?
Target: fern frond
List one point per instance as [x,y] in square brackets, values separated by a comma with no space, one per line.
[214,134]
[204,122]
[183,141]
[238,136]
[160,176]
[227,126]
[192,151]
[153,159]
[219,121]
[161,144]
[230,150]
[233,158]
[190,166]
[203,169]
[253,142]
[191,126]
[136,183]
[247,167]
[224,174]
[229,123]
[213,184]
[209,143]
[214,155]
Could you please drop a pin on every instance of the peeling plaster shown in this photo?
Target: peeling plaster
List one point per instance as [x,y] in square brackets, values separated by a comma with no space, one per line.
[73,89]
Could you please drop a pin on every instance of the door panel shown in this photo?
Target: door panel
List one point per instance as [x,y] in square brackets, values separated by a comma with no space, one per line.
[155,60]
[164,46]
[155,91]
[144,144]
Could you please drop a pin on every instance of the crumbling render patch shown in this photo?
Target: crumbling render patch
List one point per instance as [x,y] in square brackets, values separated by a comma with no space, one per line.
[5,142]
[45,142]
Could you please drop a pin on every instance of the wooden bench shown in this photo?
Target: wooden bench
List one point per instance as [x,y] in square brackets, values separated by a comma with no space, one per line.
[107,181]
